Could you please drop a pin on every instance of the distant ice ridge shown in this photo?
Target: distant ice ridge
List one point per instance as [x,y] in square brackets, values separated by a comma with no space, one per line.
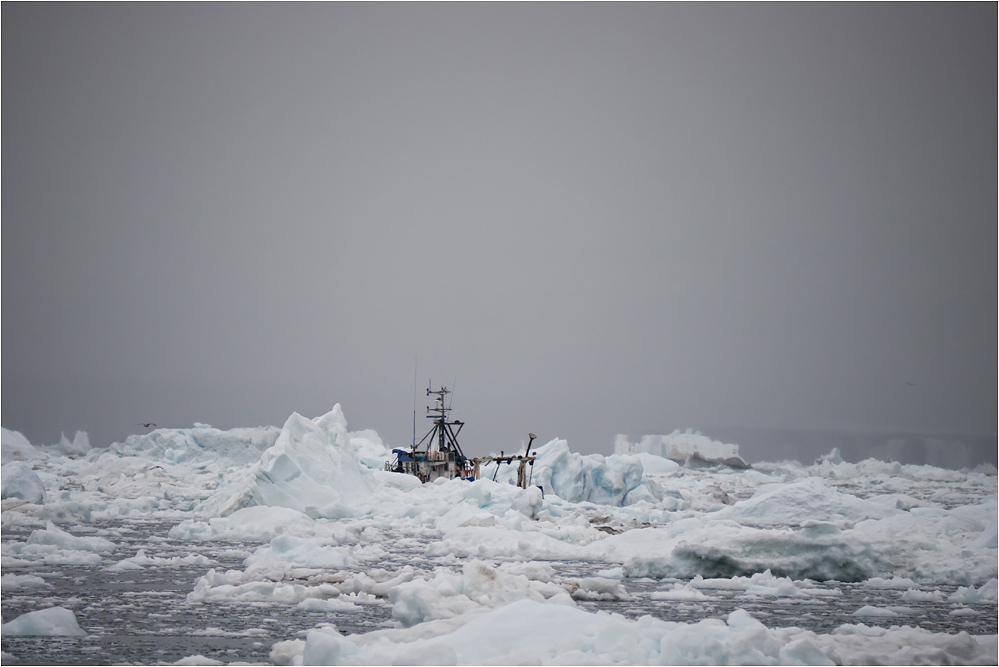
[201,443]
[79,446]
[17,448]
[682,447]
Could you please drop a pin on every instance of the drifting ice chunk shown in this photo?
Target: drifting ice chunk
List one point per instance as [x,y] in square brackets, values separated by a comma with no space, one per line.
[679,591]
[971,595]
[868,610]
[10,581]
[598,588]
[55,536]
[916,595]
[18,480]
[51,621]
[690,447]
[895,583]
[198,660]
[140,559]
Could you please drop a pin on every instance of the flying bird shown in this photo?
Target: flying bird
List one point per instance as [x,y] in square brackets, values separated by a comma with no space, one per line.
[911,384]
[147,425]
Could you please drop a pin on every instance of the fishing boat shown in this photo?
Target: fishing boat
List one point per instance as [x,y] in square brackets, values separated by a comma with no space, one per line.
[438,453]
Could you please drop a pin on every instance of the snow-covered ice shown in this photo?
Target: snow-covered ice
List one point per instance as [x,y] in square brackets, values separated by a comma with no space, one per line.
[305,519]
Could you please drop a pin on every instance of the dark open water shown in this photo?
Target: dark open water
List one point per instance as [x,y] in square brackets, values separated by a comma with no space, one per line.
[143,616]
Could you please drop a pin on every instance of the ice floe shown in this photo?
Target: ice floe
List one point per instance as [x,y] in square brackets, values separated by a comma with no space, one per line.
[312,516]
[532,632]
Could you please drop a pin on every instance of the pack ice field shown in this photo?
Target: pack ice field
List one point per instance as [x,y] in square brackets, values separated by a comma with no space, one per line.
[313,544]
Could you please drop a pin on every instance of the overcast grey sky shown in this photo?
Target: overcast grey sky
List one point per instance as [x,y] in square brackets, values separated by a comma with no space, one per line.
[599,218]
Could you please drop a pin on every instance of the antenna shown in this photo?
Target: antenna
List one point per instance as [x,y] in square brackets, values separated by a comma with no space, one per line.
[415,359]
[451,400]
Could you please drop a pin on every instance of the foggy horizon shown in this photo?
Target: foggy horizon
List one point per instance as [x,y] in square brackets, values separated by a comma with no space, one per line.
[586,219]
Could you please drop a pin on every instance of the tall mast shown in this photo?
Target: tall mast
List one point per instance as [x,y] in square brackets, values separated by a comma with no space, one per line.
[442,435]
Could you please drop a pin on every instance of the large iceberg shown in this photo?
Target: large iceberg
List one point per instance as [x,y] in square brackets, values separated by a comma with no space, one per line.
[313,466]
[611,480]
